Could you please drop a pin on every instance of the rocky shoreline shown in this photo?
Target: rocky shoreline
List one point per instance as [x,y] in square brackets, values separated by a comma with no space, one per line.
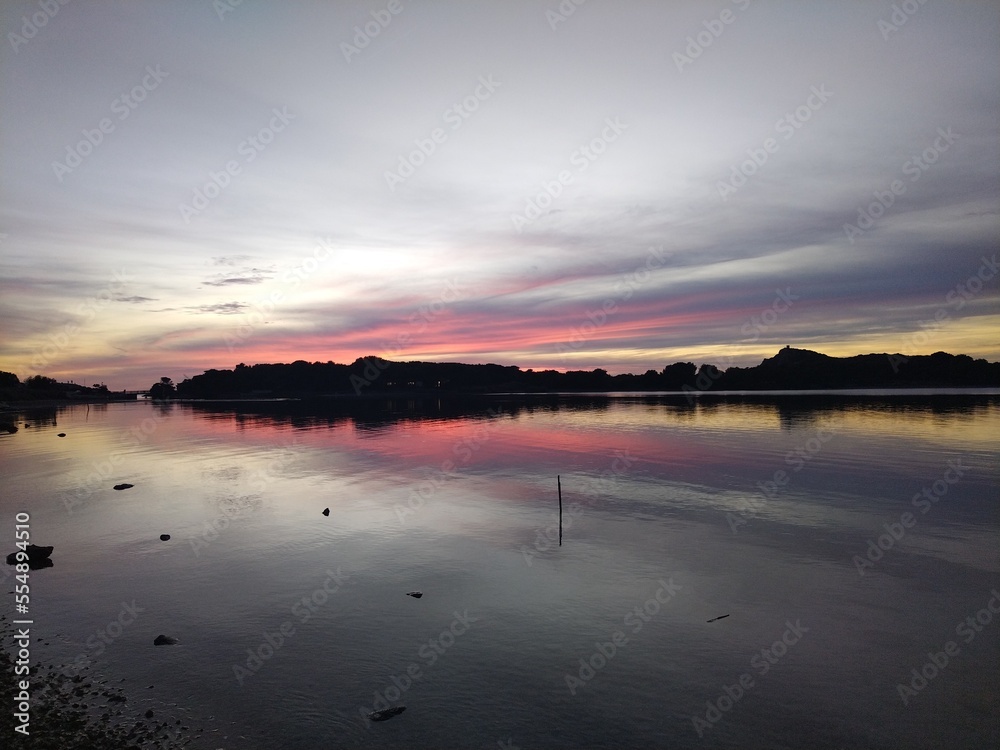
[80,712]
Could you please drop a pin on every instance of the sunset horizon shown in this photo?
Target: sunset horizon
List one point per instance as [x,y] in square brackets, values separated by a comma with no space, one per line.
[680,192]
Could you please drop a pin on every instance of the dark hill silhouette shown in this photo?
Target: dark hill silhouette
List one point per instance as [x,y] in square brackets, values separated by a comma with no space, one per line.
[801,368]
[789,369]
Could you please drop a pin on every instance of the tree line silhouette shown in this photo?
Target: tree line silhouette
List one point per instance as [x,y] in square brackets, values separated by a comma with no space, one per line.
[789,369]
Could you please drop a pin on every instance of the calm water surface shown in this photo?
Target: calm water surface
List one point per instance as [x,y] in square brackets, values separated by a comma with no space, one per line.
[293,625]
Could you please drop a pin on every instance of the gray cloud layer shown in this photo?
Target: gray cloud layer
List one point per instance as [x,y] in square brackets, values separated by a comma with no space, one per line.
[532,160]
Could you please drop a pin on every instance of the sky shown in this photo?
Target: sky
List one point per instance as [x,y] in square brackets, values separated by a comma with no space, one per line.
[571,185]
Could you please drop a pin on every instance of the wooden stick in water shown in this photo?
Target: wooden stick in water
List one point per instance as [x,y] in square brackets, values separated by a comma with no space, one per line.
[559,486]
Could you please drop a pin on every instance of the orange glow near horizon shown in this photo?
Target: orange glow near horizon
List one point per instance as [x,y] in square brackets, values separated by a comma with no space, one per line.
[628,338]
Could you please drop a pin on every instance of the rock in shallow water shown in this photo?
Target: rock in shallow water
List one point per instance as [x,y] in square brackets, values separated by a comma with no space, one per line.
[164,537]
[415,594]
[386,713]
[326,511]
[36,555]
[123,486]
[164,640]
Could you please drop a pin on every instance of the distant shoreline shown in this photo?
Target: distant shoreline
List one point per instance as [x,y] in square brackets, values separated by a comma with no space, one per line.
[46,403]
[369,397]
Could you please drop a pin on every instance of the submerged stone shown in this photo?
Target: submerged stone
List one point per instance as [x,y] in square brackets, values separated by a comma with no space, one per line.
[386,713]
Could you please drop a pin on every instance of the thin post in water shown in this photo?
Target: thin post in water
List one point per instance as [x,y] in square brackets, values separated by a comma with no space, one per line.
[559,485]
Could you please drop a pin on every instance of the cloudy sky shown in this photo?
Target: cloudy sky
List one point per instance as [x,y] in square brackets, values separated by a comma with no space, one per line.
[194,184]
